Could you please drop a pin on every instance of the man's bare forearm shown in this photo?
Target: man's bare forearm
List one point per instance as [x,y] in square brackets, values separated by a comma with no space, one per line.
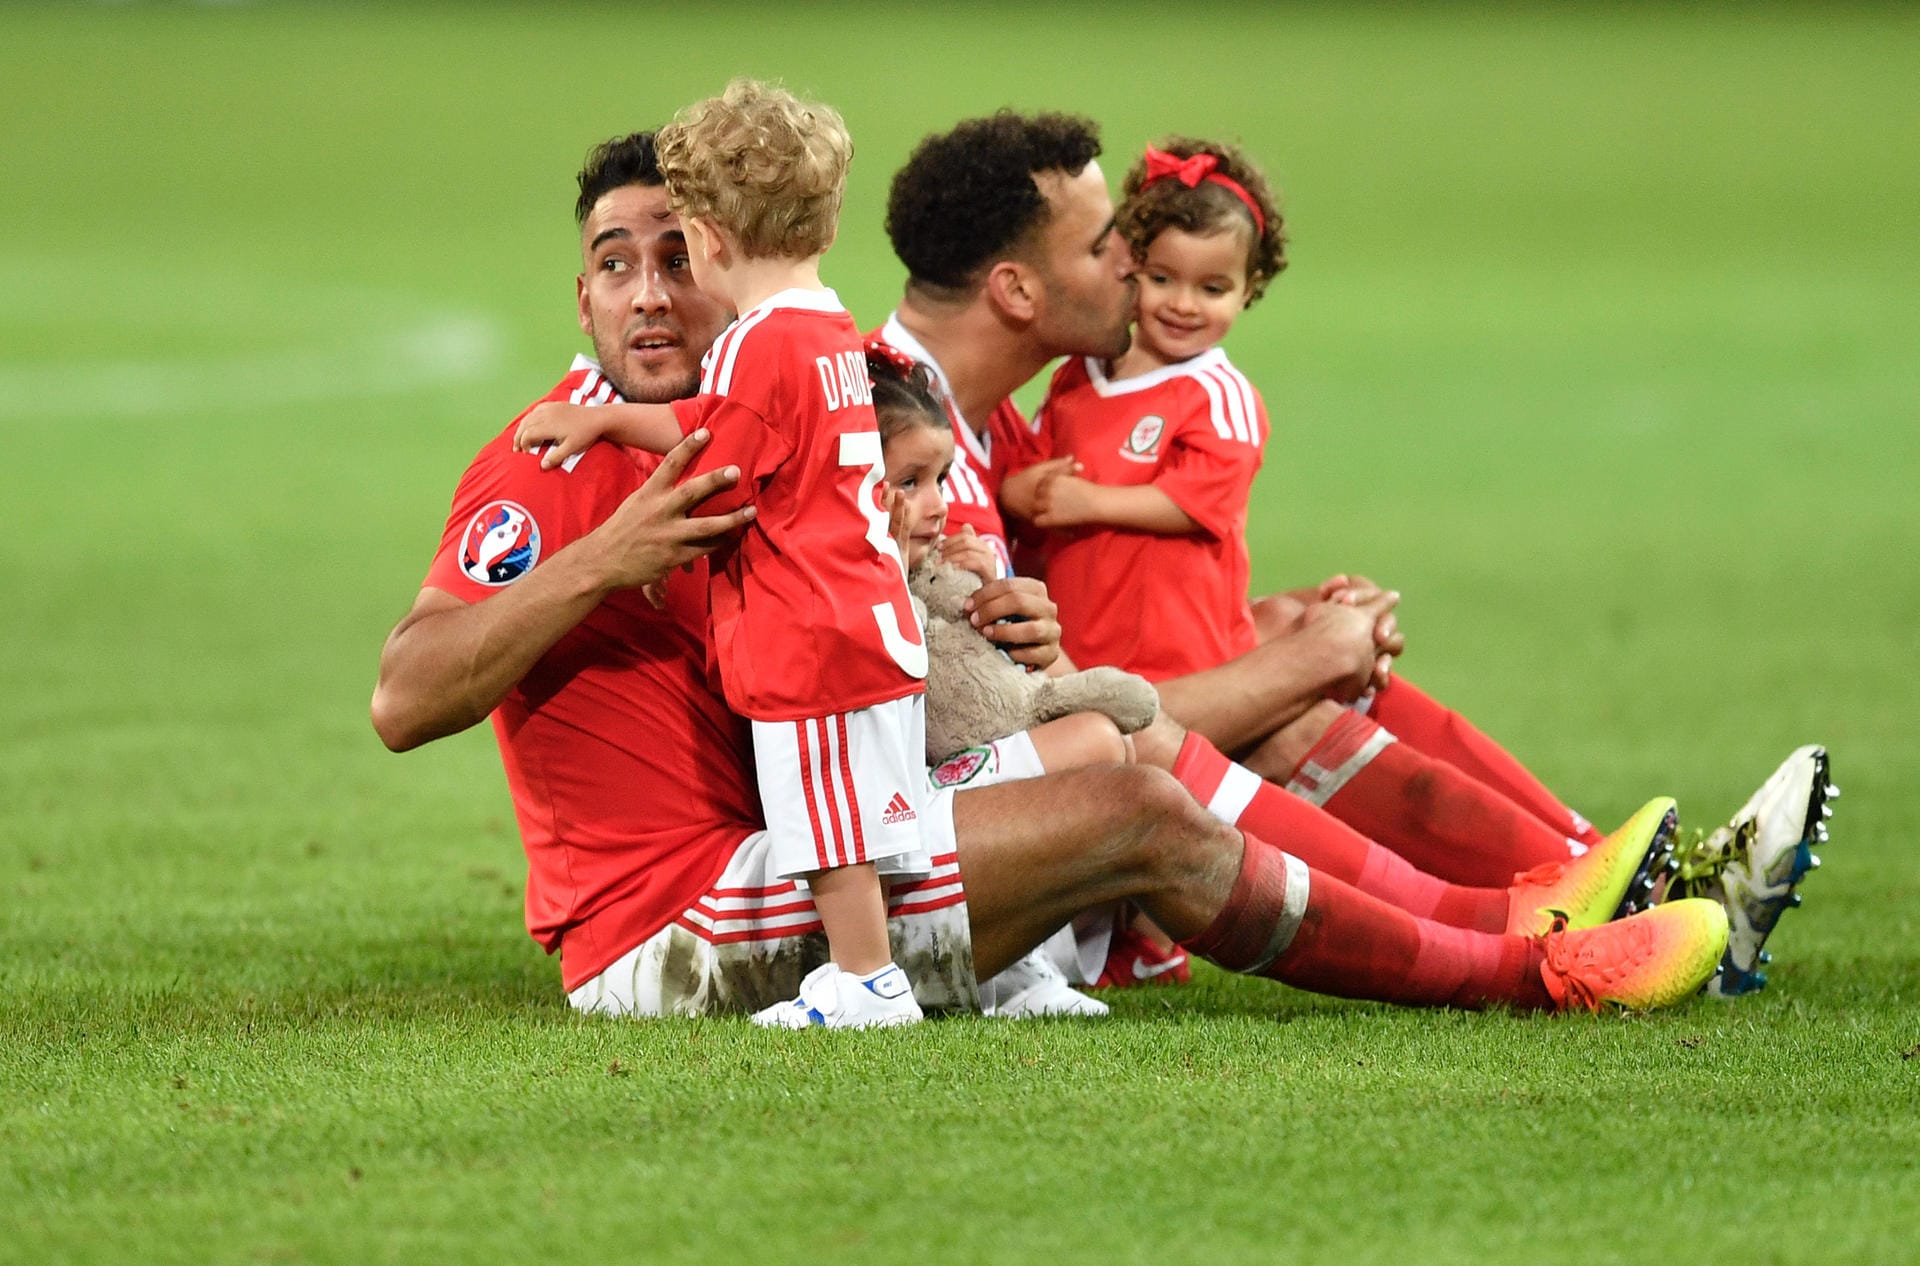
[449,663]
[1245,699]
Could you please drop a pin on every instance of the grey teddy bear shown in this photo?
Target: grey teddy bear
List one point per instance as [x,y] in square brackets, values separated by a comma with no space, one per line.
[975,694]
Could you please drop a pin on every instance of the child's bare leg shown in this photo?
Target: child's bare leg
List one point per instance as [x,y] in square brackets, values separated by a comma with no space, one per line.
[853,910]
[1085,738]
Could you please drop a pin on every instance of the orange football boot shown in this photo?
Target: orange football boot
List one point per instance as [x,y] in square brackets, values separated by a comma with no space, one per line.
[1647,960]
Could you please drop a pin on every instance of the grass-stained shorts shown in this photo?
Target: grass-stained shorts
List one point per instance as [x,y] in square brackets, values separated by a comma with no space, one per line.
[748,941]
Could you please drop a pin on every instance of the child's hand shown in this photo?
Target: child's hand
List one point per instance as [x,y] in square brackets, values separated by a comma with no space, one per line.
[568,428]
[1064,501]
[897,526]
[1019,491]
[968,552]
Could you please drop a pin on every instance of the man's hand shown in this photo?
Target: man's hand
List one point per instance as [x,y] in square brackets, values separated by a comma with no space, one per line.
[651,533]
[1033,638]
[1345,629]
[1279,614]
[1018,491]
[1387,638]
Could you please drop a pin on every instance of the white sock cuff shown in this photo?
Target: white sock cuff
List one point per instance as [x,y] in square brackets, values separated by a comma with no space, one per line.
[1236,791]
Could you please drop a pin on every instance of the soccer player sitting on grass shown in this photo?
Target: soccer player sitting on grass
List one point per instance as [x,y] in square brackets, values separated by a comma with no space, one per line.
[1581,892]
[1027,266]
[649,870]
[814,632]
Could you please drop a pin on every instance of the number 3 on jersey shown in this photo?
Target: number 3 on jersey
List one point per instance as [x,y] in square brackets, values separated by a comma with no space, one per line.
[908,649]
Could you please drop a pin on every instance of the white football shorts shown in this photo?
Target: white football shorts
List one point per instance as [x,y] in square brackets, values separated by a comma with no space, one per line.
[748,941]
[846,789]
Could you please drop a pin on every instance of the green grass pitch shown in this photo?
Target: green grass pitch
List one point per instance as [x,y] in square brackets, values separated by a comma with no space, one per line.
[1600,343]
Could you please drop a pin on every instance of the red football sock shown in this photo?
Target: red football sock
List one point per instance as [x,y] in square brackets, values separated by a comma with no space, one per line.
[1238,796]
[1424,809]
[1334,939]
[1420,721]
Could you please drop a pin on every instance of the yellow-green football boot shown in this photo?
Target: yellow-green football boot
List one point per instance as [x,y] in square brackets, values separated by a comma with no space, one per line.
[1609,879]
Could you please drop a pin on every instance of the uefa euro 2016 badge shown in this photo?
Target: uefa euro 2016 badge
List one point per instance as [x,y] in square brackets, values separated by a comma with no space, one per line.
[1143,441]
[503,544]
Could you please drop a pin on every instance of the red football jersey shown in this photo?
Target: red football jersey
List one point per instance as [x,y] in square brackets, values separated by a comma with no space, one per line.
[1160,606]
[631,780]
[972,487]
[810,609]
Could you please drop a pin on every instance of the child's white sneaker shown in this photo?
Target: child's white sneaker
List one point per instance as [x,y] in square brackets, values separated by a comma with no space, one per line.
[834,999]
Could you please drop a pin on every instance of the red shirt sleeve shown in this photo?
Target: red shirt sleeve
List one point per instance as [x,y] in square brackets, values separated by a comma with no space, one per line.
[742,437]
[1017,443]
[1209,468]
[508,515]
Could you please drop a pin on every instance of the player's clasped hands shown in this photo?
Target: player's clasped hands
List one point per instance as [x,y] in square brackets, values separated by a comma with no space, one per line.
[564,428]
[1351,620]
[1388,641]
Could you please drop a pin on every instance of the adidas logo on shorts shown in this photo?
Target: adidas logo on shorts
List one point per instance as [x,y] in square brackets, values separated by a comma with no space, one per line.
[898,811]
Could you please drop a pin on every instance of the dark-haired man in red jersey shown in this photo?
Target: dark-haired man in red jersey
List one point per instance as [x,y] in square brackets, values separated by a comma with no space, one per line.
[647,870]
[1027,268]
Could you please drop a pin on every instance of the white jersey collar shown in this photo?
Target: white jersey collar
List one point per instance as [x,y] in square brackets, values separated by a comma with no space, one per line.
[1212,358]
[897,335]
[592,386]
[804,300]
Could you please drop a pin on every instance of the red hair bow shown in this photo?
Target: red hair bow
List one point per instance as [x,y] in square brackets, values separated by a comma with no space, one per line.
[877,346]
[1191,171]
[1188,171]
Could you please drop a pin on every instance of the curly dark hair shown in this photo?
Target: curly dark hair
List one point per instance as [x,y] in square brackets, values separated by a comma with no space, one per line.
[904,394]
[615,164]
[1147,210]
[966,198]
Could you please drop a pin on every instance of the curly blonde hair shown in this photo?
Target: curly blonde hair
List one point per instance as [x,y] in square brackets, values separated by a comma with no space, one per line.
[1149,208]
[763,164]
